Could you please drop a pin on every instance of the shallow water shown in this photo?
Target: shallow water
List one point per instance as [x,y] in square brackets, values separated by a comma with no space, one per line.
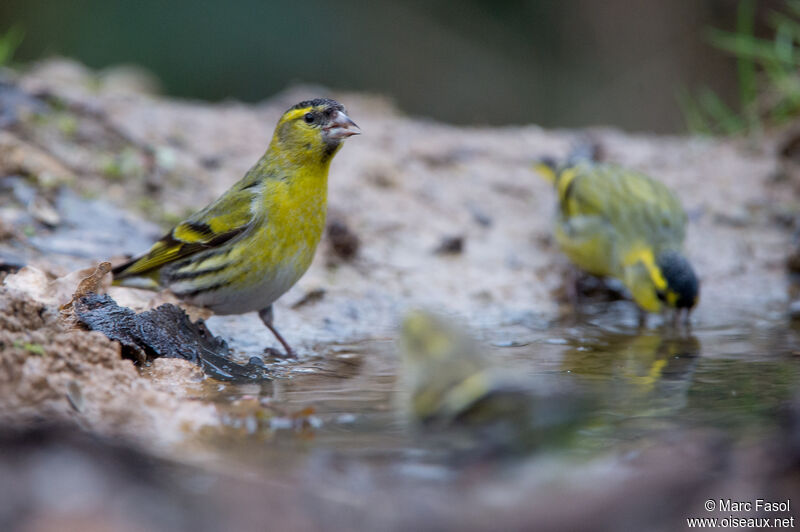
[646,384]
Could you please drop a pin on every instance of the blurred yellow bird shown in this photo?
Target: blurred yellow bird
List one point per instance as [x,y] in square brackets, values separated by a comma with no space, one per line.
[449,383]
[246,249]
[444,372]
[615,222]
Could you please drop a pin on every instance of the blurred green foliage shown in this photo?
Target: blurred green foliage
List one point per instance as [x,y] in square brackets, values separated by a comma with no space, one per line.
[569,63]
[9,42]
[768,75]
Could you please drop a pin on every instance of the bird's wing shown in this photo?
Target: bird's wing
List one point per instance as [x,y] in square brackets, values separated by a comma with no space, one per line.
[631,202]
[220,222]
[653,211]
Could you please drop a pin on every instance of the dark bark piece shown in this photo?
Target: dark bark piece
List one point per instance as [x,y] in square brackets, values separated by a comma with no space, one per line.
[165,331]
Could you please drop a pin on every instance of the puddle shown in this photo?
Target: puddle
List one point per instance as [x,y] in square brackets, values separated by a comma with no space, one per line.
[673,411]
[648,386]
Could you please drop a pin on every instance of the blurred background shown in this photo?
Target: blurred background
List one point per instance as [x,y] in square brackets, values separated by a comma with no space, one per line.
[563,63]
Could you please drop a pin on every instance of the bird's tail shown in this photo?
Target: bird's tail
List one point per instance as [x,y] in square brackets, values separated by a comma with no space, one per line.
[547,167]
[584,150]
[122,277]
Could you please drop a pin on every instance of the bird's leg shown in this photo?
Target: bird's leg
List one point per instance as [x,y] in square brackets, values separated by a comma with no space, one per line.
[573,285]
[686,321]
[267,317]
[676,318]
[642,317]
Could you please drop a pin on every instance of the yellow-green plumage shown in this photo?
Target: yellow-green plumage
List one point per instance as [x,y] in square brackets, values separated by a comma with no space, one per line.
[448,383]
[244,250]
[444,371]
[620,223]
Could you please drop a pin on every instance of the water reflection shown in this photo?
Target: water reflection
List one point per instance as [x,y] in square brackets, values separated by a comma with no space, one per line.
[642,374]
[645,385]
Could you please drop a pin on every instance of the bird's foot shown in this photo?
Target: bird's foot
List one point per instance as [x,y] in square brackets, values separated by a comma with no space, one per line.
[280,355]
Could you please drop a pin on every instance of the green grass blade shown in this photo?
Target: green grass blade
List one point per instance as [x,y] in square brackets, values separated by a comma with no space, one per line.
[9,42]
[693,115]
[726,119]
[743,46]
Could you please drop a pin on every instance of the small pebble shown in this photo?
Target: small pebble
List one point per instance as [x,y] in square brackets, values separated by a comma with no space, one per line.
[75,395]
[312,296]
[346,419]
[281,423]
[450,245]
[480,217]
[256,361]
[556,341]
[510,343]
[344,243]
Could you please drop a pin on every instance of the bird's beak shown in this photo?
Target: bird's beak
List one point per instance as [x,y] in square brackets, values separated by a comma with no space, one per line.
[341,127]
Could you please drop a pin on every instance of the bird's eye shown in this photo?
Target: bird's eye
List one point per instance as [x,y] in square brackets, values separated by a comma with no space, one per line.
[309,118]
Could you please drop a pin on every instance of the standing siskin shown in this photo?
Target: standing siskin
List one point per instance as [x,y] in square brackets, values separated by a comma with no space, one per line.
[614,222]
[246,249]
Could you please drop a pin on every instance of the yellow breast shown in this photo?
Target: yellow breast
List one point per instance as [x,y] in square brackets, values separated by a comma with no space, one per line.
[296,210]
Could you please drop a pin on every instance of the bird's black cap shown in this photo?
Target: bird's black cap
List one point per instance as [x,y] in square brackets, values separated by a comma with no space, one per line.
[317,102]
[680,277]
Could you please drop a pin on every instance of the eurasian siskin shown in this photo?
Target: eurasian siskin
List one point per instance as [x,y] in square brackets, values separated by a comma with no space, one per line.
[448,383]
[615,222]
[243,251]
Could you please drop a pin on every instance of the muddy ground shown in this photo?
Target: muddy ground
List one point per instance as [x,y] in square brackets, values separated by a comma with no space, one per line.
[448,218]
